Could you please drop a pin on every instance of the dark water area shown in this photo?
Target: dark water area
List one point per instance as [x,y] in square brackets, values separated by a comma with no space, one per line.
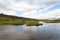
[48,31]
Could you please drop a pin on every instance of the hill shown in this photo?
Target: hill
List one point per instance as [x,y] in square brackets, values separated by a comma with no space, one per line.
[15,20]
[9,19]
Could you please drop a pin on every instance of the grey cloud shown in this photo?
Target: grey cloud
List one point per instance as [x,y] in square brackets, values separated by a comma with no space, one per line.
[18,0]
[41,2]
[37,2]
[5,5]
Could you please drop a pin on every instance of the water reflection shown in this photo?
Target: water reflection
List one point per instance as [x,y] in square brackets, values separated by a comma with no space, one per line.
[48,31]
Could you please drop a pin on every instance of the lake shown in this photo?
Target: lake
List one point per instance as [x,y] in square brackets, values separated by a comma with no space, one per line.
[47,31]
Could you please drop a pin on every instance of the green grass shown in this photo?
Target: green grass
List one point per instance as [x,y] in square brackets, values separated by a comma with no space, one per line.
[28,22]
[33,23]
[8,19]
[5,20]
[53,21]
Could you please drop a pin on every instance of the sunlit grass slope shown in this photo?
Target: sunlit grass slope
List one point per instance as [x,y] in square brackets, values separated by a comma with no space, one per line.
[8,19]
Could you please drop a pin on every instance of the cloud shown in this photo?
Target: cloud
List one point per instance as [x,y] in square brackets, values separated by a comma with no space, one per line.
[31,14]
[23,6]
[53,14]
[11,5]
[49,15]
[8,12]
[29,8]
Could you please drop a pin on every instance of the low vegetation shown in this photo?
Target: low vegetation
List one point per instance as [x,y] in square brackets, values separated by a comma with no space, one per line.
[33,23]
[8,19]
[51,21]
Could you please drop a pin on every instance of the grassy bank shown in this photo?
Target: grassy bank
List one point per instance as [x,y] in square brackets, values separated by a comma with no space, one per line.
[52,21]
[8,19]
[4,20]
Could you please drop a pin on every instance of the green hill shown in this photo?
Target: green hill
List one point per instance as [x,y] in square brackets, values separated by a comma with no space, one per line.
[15,20]
[9,19]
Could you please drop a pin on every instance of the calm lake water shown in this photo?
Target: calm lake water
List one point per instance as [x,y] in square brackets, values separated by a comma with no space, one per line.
[48,31]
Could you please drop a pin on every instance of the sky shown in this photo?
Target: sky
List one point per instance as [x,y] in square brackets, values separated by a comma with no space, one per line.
[38,9]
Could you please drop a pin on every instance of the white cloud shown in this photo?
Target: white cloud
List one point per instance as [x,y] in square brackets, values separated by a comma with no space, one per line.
[48,15]
[29,8]
[10,5]
[23,6]
[53,14]
[31,14]
[8,12]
